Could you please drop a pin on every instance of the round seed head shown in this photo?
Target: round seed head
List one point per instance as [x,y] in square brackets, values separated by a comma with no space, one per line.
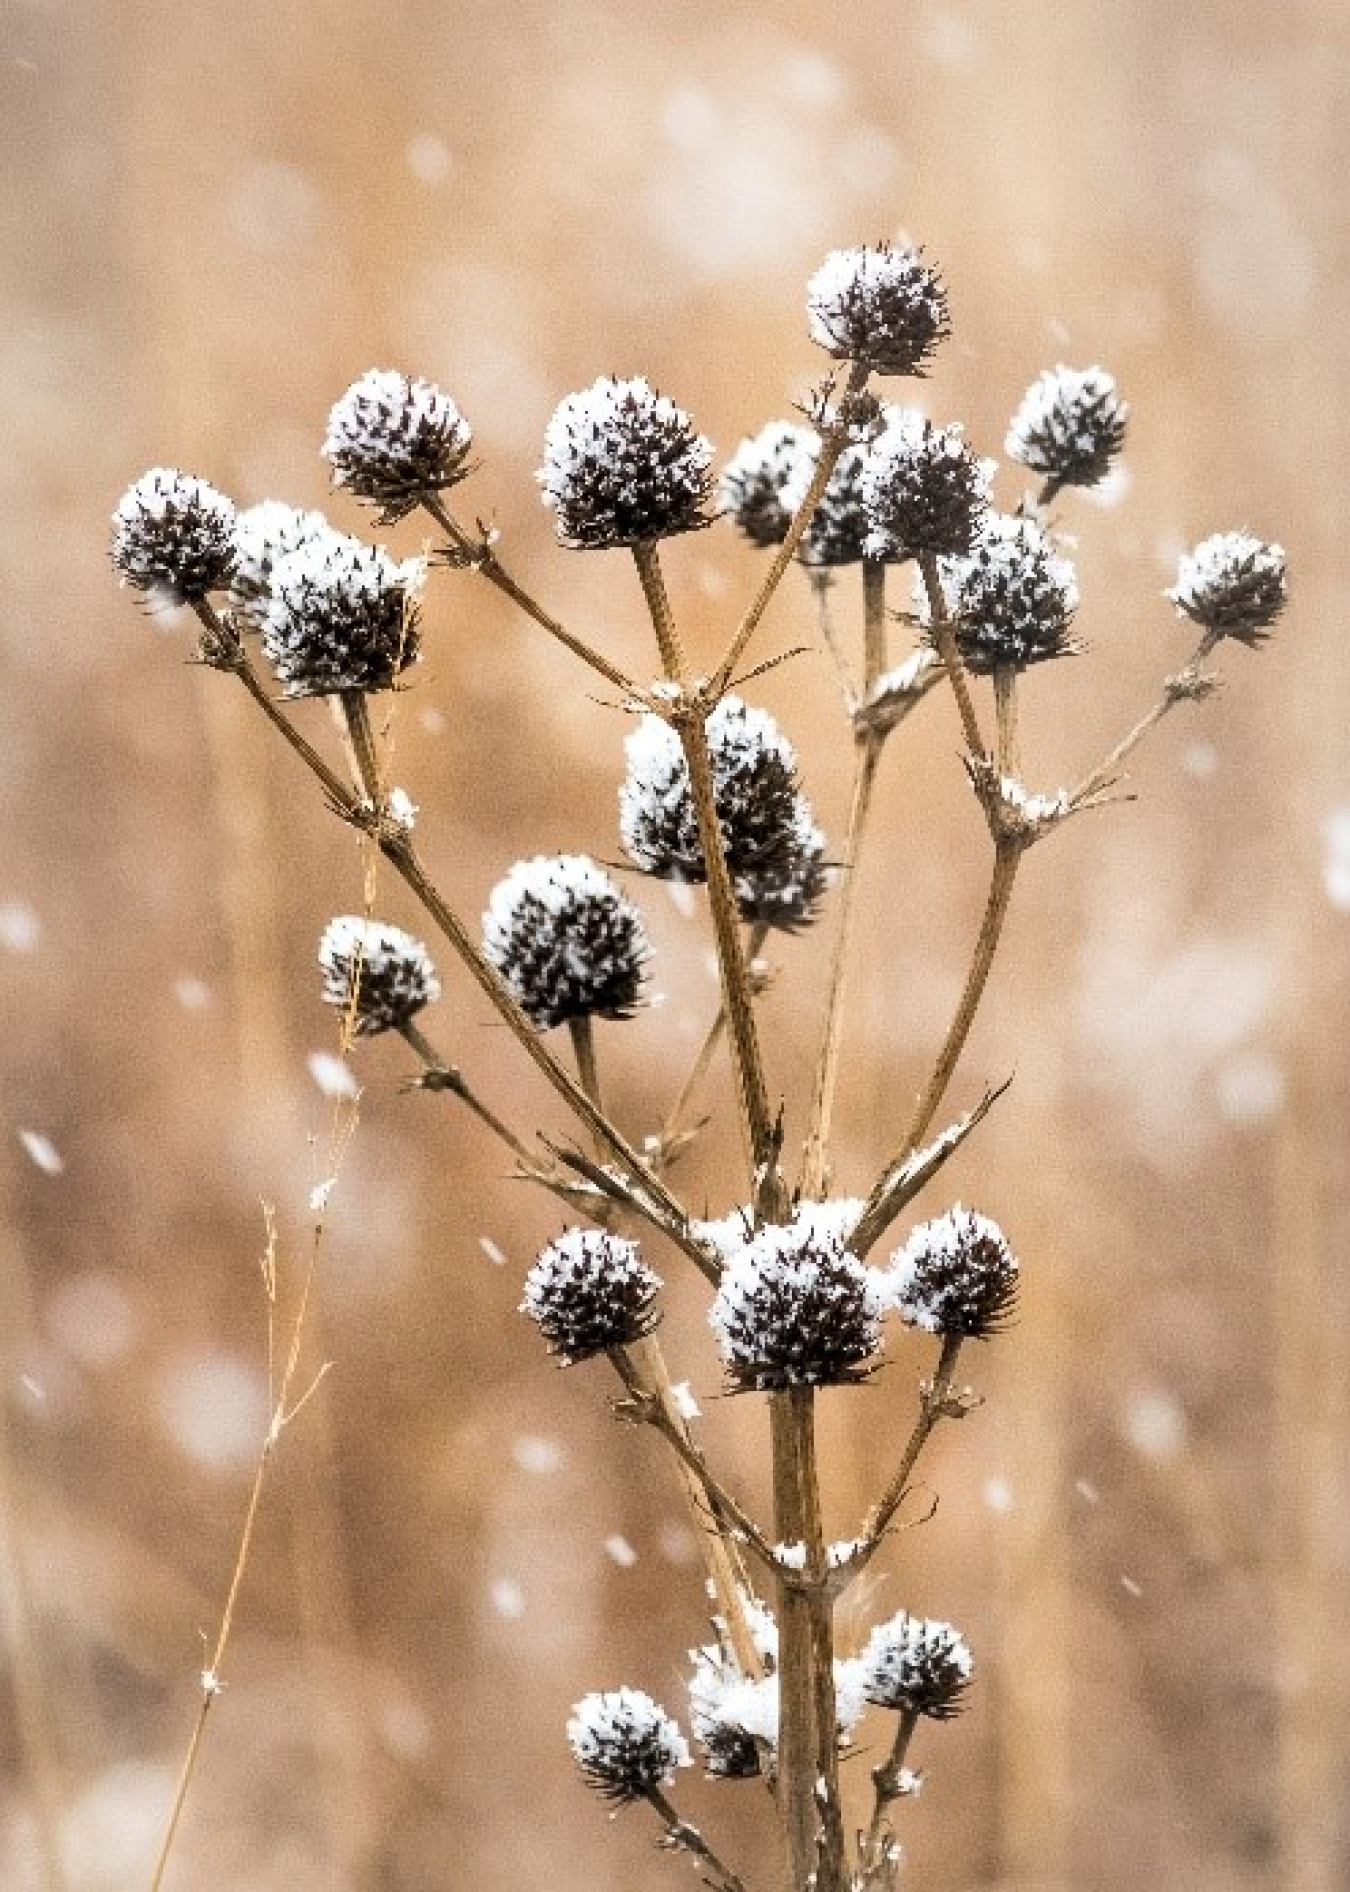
[1233,585]
[590,1291]
[377,974]
[341,616]
[625,1744]
[786,894]
[956,1276]
[173,537]
[923,490]
[566,941]
[1012,597]
[1070,426]
[756,479]
[881,306]
[622,466]
[795,1308]
[915,1666]
[393,441]
[264,534]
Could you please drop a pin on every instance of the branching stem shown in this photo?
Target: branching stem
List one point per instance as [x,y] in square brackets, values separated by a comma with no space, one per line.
[685,1838]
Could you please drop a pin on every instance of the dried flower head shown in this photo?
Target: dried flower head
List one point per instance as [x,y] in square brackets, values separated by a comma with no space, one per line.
[956,1276]
[264,534]
[341,616]
[880,306]
[1012,597]
[1070,426]
[173,537]
[733,1717]
[625,1744]
[377,974]
[1233,585]
[622,466]
[759,804]
[756,479]
[923,490]
[589,1291]
[785,894]
[394,441]
[795,1308]
[566,941]
[917,1667]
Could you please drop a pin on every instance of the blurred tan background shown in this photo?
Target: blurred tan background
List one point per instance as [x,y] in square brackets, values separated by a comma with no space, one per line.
[213,220]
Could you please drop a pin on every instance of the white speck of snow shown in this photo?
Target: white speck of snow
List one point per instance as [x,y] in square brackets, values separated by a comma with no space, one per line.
[508,1599]
[319,1195]
[194,995]
[433,720]
[215,1410]
[998,1496]
[34,1388]
[491,1250]
[1058,332]
[1250,1087]
[685,1403]
[273,207]
[682,898]
[91,1318]
[1154,1424]
[948,40]
[42,1151]
[429,158]
[1130,1587]
[1087,1491]
[620,1551]
[1109,492]
[677,1544]
[111,1829]
[20,927]
[791,1556]
[1336,858]
[332,1075]
[1200,760]
[405,1730]
[537,1455]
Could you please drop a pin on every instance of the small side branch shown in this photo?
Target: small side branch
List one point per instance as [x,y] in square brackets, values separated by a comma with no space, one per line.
[681,1837]
[879,1853]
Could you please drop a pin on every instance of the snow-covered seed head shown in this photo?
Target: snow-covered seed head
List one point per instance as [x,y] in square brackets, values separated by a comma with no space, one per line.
[756,479]
[625,1744]
[795,1308]
[1070,426]
[341,616]
[786,894]
[923,490]
[917,1667]
[589,1291]
[956,1276]
[1012,597]
[393,441]
[173,537]
[623,465]
[754,789]
[566,941]
[1233,585]
[883,307]
[377,974]
[264,534]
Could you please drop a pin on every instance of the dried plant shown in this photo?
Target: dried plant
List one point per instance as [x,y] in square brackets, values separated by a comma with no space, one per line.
[712,796]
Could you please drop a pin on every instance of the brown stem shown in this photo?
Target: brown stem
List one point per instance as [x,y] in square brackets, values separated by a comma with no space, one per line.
[685,1838]
[1005,713]
[356,713]
[932,1404]
[944,636]
[482,559]
[448,1078]
[582,1032]
[1105,772]
[886,1779]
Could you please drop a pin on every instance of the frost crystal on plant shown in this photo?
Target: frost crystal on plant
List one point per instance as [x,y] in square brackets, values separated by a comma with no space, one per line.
[625,1744]
[623,466]
[1070,426]
[378,973]
[341,616]
[589,1291]
[264,534]
[755,481]
[923,490]
[1233,585]
[916,1666]
[955,1276]
[1012,597]
[795,1308]
[394,441]
[173,536]
[883,306]
[566,941]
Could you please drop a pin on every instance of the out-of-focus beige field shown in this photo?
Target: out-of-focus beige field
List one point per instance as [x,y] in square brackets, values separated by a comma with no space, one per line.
[214,219]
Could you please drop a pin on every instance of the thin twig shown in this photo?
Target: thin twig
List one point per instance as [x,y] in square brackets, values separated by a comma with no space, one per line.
[681,1837]
[356,712]
[944,636]
[935,1403]
[887,1778]
[1190,685]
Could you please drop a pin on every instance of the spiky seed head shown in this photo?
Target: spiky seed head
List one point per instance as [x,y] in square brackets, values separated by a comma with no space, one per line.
[1012,597]
[786,894]
[923,490]
[589,1291]
[755,792]
[795,1308]
[566,941]
[625,1744]
[395,441]
[1070,425]
[341,616]
[757,477]
[173,537]
[377,974]
[1232,585]
[912,1665]
[956,1276]
[623,465]
[264,534]
[881,306]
